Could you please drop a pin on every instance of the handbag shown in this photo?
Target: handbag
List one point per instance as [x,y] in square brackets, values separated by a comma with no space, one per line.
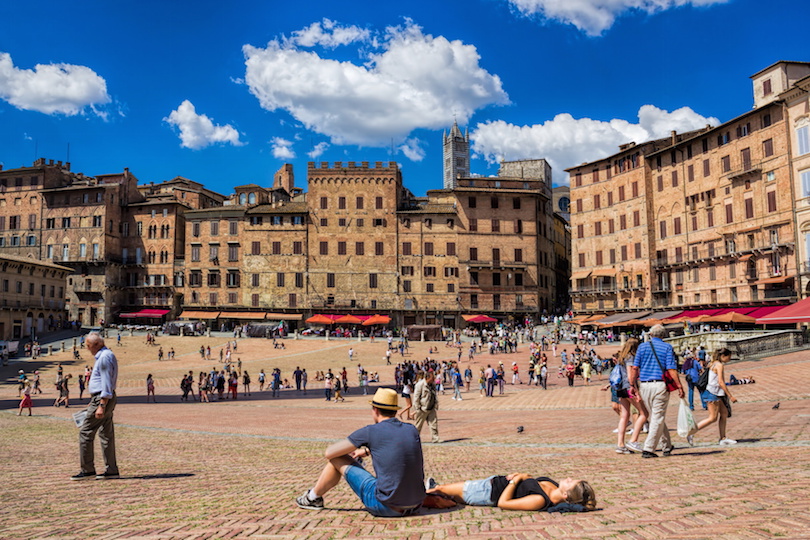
[669,380]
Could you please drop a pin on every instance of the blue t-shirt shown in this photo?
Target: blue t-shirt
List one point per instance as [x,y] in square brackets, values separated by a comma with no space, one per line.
[396,453]
[649,369]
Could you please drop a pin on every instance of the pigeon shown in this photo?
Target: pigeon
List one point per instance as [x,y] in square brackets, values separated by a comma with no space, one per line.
[775,406]
[520,429]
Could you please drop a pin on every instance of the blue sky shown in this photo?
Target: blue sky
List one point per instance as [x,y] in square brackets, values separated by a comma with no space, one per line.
[224,93]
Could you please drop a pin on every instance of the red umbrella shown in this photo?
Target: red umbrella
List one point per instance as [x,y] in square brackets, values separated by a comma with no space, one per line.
[320,319]
[377,319]
[348,319]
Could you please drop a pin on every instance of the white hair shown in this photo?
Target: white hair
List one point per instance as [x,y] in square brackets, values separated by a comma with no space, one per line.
[658,331]
[96,337]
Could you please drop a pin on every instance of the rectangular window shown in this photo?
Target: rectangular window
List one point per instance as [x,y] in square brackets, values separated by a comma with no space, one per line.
[472,202]
[622,222]
[767,148]
[214,228]
[676,225]
[634,189]
[749,208]
[451,249]
[610,198]
[611,226]
[709,217]
[341,203]
[771,196]
[359,248]
[581,257]
[597,201]
[706,168]
[473,225]
[299,280]
[255,248]
[254,300]
[473,254]
[324,203]
[518,226]
[726,163]
[255,280]
[213,253]
[379,248]
[406,248]
[674,178]
[233,253]
[496,255]
[612,256]
[803,137]
[516,203]
[429,271]
[621,193]
[324,248]
[518,255]
[213,279]
[407,270]
[496,279]
[579,205]
[624,253]
[358,203]
[599,258]
[233,279]
[378,203]
[493,202]
[428,249]
[636,218]
[341,248]
[372,281]
[660,183]
[233,228]
[406,285]
[298,248]
[324,222]
[662,226]
[580,231]
[729,213]
[330,280]
[638,250]
[597,228]
[280,279]
[496,225]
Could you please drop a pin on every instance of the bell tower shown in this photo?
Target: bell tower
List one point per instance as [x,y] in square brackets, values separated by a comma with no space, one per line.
[456,153]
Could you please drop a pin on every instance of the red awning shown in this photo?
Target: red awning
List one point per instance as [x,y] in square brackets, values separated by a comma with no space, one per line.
[698,312]
[792,314]
[147,313]
[764,311]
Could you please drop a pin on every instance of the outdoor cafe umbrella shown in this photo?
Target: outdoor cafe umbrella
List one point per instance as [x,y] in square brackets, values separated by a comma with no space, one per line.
[376,319]
[320,319]
[732,317]
[349,319]
[481,319]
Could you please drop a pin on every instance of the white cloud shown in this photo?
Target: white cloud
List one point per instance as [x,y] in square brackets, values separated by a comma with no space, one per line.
[282,148]
[412,148]
[197,130]
[411,81]
[52,88]
[329,34]
[595,16]
[566,141]
[317,150]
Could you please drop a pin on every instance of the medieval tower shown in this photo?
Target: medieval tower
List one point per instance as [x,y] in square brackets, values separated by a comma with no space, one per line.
[456,153]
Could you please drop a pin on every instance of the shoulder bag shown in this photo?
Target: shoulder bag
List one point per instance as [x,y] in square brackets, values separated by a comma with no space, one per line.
[669,381]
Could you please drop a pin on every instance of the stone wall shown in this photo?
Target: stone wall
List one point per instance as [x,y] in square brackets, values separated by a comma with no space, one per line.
[744,345]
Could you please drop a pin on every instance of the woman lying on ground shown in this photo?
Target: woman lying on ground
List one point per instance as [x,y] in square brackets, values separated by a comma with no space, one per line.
[519,491]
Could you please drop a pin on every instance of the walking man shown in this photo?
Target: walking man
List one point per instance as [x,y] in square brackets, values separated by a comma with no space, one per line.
[103,381]
[297,375]
[646,375]
[396,452]
[425,404]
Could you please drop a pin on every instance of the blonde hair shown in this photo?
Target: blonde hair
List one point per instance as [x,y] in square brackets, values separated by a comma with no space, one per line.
[582,493]
[628,350]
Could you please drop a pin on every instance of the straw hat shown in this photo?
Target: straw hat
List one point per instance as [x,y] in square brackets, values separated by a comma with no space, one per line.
[385,398]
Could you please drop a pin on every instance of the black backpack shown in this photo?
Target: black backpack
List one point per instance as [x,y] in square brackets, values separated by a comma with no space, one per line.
[703,380]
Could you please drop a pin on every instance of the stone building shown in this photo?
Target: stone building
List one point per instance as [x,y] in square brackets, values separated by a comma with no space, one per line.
[696,220]
[455,156]
[33,296]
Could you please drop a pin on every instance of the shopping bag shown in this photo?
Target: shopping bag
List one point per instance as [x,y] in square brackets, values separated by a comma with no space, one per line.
[686,420]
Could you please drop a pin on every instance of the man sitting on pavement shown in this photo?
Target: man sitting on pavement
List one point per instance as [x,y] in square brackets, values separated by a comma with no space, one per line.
[396,453]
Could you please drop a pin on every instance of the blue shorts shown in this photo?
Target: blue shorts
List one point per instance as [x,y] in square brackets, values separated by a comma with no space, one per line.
[478,492]
[364,484]
[708,396]
[613,397]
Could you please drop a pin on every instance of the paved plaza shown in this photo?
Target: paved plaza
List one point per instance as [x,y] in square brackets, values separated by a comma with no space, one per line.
[231,469]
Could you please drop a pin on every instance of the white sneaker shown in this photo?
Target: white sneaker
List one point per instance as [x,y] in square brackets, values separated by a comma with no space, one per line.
[727,442]
[616,430]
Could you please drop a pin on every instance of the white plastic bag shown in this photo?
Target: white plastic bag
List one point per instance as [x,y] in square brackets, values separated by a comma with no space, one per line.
[686,420]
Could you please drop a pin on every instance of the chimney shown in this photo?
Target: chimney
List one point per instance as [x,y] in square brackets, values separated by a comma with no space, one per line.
[674,136]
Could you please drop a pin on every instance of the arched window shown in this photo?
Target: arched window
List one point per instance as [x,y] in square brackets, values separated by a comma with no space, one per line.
[242,198]
[252,198]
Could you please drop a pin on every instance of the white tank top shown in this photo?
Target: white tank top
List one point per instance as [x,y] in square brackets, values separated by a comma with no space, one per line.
[713,387]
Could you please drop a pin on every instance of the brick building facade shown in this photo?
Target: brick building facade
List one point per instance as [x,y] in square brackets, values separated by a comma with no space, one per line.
[696,220]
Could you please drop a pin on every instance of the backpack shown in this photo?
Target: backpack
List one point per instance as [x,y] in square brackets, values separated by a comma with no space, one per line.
[703,380]
[616,378]
[693,373]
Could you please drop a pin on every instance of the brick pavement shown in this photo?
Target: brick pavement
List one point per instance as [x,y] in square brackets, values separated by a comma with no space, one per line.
[231,469]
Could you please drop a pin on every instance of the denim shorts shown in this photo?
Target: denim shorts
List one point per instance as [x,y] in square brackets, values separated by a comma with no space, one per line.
[364,484]
[709,397]
[478,492]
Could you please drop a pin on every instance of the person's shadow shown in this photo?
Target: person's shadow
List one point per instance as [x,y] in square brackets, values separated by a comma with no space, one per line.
[163,476]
